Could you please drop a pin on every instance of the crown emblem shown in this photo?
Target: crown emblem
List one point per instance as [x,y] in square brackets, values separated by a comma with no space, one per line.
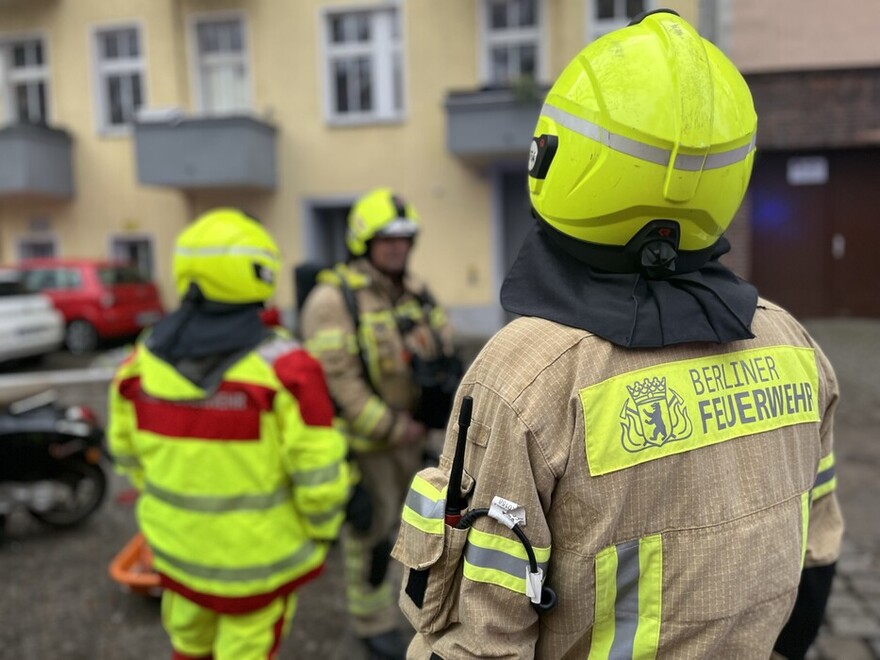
[648,391]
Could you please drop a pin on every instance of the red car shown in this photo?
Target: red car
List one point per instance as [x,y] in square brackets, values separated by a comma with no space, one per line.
[99,299]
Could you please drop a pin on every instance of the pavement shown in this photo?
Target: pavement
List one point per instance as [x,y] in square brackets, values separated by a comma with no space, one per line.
[851,630]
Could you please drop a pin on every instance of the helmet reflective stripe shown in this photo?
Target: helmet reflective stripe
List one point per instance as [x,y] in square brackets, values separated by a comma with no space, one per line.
[237,250]
[641,150]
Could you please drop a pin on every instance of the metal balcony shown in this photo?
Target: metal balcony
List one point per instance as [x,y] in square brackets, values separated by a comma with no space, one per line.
[35,162]
[206,153]
[492,125]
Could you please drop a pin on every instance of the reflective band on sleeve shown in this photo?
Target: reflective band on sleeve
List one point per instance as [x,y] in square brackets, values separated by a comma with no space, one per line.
[498,560]
[219,504]
[805,524]
[438,318]
[126,461]
[369,416]
[326,340]
[247,574]
[643,151]
[826,481]
[629,582]
[317,476]
[319,519]
[425,507]
[677,407]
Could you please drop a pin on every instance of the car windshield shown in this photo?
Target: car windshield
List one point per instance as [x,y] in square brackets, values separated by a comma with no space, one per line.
[111,276]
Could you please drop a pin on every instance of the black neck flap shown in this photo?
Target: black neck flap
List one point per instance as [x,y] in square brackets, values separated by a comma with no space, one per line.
[710,304]
[201,339]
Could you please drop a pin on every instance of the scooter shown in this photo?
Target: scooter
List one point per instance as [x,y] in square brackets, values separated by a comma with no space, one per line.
[50,460]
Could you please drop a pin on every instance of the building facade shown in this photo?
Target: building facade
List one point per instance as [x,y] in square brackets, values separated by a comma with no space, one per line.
[120,121]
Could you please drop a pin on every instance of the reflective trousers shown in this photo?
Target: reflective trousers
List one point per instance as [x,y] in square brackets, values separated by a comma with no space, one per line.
[198,633]
[372,600]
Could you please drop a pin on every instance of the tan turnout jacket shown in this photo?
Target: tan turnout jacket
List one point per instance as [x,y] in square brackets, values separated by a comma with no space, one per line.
[329,333]
[671,496]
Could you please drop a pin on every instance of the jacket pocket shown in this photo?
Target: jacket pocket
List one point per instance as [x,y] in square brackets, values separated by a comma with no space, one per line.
[431,553]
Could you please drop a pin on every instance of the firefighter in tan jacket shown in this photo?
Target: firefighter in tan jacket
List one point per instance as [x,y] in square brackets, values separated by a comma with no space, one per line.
[651,443]
[379,335]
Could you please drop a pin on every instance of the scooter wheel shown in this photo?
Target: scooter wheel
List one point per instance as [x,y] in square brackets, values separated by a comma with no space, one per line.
[87,484]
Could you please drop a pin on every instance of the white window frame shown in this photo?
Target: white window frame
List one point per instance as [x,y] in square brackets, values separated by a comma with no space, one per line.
[35,237]
[9,76]
[381,51]
[194,19]
[596,27]
[101,69]
[511,37]
[128,236]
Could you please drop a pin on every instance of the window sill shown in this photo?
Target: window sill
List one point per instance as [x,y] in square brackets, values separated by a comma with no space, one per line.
[363,120]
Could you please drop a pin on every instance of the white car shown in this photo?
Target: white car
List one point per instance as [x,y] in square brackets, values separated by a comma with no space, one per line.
[30,325]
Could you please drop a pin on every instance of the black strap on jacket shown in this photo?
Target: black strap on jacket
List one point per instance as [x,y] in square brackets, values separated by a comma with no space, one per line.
[354,310]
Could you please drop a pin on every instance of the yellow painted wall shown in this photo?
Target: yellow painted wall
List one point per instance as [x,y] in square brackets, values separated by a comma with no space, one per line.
[315,160]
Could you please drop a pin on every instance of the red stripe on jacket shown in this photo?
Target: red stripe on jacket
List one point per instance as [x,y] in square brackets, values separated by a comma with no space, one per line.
[237,604]
[231,413]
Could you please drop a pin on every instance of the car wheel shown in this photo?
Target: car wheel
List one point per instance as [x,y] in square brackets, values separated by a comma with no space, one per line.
[80,337]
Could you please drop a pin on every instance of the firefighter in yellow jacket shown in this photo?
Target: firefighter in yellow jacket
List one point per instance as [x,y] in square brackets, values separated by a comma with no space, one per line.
[377,330]
[226,428]
[651,443]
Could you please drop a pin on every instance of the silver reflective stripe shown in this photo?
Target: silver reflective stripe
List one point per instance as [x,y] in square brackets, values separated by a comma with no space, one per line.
[424,506]
[626,606]
[220,504]
[327,516]
[647,152]
[221,251]
[317,476]
[126,461]
[500,561]
[824,477]
[238,574]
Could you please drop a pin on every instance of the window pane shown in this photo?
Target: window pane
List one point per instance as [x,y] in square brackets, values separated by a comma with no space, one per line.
[362,27]
[499,70]
[398,81]
[136,96]
[209,41]
[235,37]
[19,58]
[337,29]
[38,53]
[365,96]
[634,7]
[132,47]
[38,114]
[114,100]
[498,14]
[604,9]
[340,75]
[527,61]
[110,46]
[21,104]
[528,14]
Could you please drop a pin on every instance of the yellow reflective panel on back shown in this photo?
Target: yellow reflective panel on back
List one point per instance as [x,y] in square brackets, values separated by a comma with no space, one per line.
[673,408]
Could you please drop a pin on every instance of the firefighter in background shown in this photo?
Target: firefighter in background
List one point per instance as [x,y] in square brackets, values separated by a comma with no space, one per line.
[661,434]
[225,426]
[372,323]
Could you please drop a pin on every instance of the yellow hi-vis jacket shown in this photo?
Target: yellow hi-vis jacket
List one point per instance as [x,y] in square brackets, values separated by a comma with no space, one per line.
[671,496]
[328,329]
[242,487]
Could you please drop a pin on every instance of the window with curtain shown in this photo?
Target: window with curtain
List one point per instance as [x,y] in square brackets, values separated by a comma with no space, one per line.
[512,42]
[224,85]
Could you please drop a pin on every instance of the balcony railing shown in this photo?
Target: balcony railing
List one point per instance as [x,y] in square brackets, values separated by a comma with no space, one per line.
[492,125]
[35,161]
[205,153]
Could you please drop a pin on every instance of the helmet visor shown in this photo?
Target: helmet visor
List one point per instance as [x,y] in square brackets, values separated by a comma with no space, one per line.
[398,228]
